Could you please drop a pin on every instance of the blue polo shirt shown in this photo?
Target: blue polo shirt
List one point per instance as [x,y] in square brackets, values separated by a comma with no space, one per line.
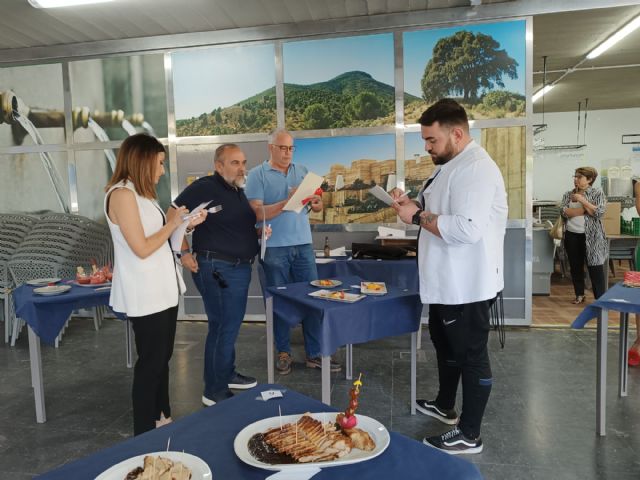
[272,186]
[232,230]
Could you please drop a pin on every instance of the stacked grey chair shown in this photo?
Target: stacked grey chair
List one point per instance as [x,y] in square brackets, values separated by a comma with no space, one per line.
[56,245]
[13,229]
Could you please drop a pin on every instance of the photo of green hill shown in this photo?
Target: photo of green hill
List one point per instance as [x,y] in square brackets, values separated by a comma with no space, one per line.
[353,99]
[254,114]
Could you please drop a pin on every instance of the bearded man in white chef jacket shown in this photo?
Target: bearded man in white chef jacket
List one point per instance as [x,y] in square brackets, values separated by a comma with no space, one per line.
[462,212]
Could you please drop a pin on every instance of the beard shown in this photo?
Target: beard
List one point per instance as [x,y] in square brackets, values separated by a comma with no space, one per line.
[447,154]
[238,182]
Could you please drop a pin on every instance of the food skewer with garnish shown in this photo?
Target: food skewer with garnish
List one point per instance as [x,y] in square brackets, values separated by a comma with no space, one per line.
[348,420]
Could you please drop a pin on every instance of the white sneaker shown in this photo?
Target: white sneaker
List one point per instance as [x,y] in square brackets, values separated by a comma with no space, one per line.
[207,402]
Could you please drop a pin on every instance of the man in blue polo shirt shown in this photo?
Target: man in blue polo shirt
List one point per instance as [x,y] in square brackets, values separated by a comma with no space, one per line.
[224,247]
[289,256]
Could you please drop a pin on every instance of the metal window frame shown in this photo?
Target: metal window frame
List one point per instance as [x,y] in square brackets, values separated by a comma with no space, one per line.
[395,25]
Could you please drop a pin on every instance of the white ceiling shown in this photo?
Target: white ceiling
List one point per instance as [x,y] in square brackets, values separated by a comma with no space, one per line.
[27,33]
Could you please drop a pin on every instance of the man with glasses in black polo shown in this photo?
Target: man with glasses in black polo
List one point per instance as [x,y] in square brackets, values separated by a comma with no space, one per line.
[289,256]
[223,250]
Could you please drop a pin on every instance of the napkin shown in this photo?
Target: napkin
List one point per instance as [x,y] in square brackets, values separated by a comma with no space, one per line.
[338,252]
[391,232]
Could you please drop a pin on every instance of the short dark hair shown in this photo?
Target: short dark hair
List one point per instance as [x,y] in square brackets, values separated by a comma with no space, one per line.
[446,112]
[218,157]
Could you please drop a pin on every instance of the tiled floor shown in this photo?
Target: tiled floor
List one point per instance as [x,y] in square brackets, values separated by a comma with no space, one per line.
[557,308]
[540,421]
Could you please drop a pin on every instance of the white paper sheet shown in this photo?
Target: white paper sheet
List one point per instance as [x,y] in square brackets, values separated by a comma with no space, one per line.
[178,233]
[306,189]
[380,194]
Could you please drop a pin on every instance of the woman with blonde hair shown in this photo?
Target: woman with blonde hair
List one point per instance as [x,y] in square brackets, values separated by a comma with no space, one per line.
[146,281]
[584,238]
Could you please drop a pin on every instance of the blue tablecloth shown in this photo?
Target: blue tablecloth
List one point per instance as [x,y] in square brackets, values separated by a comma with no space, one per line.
[209,434]
[371,318]
[47,315]
[618,298]
[400,273]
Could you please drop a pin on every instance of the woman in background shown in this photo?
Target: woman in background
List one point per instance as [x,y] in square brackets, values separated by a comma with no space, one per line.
[146,283]
[584,237]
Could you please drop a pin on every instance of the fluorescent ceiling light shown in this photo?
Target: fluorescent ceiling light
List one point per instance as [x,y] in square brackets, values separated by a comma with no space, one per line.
[615,38]
[62,3]
[541,93]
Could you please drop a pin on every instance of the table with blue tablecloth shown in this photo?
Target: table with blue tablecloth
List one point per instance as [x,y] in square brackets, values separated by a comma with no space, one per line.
[400,273]
[622,299]
[45,317]
[209,434]
[344,324]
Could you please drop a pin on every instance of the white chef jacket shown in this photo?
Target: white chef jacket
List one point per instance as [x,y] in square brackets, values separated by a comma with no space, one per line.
[466,264]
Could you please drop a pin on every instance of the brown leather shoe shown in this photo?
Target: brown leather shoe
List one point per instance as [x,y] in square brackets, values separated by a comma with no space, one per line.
[283,364]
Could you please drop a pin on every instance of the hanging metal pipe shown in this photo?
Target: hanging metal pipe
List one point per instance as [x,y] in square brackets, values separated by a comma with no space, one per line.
[136,119]
[113,118]
[10,104]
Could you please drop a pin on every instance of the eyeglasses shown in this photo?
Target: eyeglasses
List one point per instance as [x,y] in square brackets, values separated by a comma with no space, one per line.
[285,148]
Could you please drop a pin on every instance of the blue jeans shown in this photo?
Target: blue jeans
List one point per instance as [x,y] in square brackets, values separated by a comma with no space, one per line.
[292,264]
[224,288]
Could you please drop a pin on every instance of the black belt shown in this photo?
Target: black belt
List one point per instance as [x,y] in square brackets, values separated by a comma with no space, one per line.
[221,256]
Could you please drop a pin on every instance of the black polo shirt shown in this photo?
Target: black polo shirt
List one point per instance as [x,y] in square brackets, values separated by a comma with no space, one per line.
[231,231]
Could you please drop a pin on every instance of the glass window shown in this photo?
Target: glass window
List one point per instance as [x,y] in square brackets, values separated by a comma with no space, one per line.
[32,182]
[36,92]
[115,97]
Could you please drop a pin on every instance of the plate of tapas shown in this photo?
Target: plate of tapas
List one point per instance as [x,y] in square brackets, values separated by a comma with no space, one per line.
[337,296]
[41,282]
[99,277]
[326,283]
[171,465]
[51,290]
[373,288]
[303,441]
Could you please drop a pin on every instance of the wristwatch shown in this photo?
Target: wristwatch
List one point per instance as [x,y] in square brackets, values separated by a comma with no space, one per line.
[182,252]
[416,218]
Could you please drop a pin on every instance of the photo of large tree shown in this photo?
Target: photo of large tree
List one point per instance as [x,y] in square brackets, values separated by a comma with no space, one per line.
[481,66]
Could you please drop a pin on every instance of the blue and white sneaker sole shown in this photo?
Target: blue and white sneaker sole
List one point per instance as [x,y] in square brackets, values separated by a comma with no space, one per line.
[443,419]
[467,451]
[207,402]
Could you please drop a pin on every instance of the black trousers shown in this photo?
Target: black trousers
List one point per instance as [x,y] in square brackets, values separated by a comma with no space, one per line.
[459,334]
[576,247]
[154,335]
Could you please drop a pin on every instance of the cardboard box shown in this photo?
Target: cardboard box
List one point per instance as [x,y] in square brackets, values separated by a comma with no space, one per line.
[611,218]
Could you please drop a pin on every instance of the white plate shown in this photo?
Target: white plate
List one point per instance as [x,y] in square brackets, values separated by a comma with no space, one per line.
[92,285]
[51,290]
[378,432]
[326,295]
[364,288]
[334,283]
[40,282]
[199,469]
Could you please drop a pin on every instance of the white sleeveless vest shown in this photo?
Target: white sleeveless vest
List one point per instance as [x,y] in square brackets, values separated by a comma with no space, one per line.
[143,286]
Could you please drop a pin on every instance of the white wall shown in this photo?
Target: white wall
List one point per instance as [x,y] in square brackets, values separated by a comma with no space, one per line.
[553,169]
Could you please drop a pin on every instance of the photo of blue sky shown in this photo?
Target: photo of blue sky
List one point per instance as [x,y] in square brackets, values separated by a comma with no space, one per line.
[219,77]
[318,154]
[316,61]
[418,48]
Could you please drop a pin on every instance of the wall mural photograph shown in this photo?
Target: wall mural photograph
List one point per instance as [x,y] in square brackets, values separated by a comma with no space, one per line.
[482,66]
[225,91]
[339,82]
[350,167]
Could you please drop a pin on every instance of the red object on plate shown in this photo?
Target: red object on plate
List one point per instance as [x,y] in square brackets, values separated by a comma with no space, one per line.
[348,422]
[633,358]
